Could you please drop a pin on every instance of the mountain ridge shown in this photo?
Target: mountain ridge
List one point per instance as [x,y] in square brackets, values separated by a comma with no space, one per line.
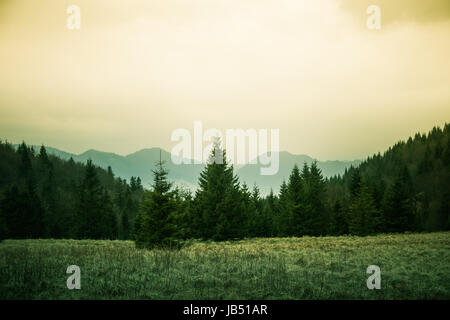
[141,162]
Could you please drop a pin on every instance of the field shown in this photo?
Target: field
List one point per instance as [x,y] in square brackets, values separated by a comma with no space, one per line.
[413,266]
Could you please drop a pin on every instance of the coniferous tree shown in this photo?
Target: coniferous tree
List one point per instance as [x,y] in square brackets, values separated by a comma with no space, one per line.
[398,207]
[355,184]
[270,214]
[155,227]
[296,208]
[284,222]
[316,217]
[32,224]
[363,214]
[95,218]
[261,219]
[338,221]
[446,155]
[218,203]
[12,208]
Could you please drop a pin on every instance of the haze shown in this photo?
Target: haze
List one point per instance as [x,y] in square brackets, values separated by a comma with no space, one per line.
[137,70]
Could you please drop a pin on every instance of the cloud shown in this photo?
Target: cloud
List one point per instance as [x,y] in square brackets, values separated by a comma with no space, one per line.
[398,11]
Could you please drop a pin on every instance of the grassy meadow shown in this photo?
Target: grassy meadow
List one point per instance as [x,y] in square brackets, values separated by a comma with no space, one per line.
[413,266]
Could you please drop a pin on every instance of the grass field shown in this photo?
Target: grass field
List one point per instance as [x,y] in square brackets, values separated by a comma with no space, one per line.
[413,266]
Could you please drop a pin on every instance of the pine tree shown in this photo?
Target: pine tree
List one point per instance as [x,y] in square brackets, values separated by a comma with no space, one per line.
[338,221]
[94,214]
[139,184]
[110,172]
[259,220]
[398,206]
[426,165]
[284,218]
[296,209]
[355,184]
[446,155]
[218,203]
[363,214]
[248,211]
[32,213]
[270,214]
[316,217]
[12,209]
[108,220]
[155,227]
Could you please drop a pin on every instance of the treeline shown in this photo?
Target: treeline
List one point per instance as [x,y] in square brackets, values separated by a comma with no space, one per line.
[405,189]
[43,196]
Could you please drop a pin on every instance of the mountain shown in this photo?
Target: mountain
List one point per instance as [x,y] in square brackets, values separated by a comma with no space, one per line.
[138,164]
[141,163]
[250,173]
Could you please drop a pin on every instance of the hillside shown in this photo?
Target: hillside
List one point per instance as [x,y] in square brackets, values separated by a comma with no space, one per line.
[405,189]
[45,195]
[411,176]
[250,173]
[141,163]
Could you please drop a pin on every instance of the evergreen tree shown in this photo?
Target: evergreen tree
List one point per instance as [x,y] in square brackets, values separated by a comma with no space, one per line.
[218,204]
[94,214]
[248,211]
[446,155]
[426,165]
[315,217]
[32,212]
[110,172]
[155,227]
[355,184]
[363,214]
[270,214]
[139,184]
[398,207]
[12,208]
[260,221]
[284,218]
[296,209]
[338,222]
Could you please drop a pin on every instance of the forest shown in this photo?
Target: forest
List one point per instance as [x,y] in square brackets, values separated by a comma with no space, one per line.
[405,189]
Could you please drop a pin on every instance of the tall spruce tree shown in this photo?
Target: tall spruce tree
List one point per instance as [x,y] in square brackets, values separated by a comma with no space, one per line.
[155,227]
[363,214]
[296,208]
[316,213]
[95,219]
[284,218]
[338,220]
[217,202]
[32,225]
[398,207]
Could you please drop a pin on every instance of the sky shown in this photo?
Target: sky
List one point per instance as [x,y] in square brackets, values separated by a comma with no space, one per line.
[137,70]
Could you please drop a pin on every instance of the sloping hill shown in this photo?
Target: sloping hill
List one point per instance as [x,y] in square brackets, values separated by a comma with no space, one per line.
[250,173]
[141,163]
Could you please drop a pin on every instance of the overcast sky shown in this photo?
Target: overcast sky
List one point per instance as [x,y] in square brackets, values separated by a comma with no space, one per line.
[139,69]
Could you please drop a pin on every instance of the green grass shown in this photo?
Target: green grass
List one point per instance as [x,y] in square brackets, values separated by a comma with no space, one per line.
[413,266]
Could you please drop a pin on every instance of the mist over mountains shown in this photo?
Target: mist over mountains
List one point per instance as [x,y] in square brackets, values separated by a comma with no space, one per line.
[141,163]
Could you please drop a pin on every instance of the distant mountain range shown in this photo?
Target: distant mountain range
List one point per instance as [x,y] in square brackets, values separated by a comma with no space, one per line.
[141,163]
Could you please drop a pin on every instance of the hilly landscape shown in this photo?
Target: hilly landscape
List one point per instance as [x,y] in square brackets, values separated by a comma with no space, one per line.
[142,162]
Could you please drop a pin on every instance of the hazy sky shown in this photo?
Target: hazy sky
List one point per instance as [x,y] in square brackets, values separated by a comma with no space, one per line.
[139,69]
